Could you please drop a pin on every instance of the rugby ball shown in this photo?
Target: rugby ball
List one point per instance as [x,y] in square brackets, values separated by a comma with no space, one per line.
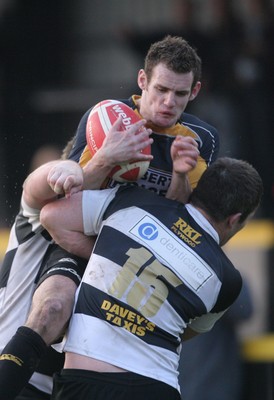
[100,120]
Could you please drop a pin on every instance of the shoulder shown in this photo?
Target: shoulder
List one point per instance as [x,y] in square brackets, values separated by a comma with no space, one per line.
[208,136]
[231,286]
[197,123]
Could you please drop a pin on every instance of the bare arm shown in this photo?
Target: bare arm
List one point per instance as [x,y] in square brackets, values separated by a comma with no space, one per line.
[119,146]
[64,221]
[51,179]
[184,153]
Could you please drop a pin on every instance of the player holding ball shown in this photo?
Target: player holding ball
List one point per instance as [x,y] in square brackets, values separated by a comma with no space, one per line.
[181,148]
[169,80]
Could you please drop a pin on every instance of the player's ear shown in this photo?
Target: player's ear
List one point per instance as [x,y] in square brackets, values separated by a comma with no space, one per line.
[142,79]
[234,219]
[195,91]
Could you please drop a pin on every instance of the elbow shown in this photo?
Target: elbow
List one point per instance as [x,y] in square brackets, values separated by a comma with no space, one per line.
[50,221]
[47,218]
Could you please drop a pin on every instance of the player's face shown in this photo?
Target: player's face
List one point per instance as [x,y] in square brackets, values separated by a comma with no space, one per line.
[166,95]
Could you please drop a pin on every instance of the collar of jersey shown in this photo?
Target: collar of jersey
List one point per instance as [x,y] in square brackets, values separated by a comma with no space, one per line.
[201,220]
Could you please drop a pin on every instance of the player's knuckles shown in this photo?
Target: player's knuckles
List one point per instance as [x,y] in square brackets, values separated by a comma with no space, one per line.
[58,188]
[69,182]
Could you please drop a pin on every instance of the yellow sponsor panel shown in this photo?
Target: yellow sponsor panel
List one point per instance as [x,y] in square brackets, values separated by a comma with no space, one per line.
[4,238]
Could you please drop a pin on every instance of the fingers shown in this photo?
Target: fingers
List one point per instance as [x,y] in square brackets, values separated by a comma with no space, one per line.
[65,184]
[138,128]
[140,138]
[184,153]
[131,129]
[55,182]
[186,142]
[65,178]
[126,145]
[184,146]
[118,125]
[71,185]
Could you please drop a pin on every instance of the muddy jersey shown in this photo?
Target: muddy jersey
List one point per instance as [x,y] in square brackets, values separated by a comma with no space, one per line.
[163,271]
[158,175]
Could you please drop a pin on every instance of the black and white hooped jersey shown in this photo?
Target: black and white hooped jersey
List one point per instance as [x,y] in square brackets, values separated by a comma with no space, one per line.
[30,249]
[26,254]
[158,175]
[19,272]
[156,268]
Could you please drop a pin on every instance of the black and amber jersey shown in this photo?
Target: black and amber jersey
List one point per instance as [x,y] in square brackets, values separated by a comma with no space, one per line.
[163,272]
[158,176]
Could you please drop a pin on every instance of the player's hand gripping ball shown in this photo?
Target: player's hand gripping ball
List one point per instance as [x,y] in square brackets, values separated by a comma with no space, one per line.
[100,120]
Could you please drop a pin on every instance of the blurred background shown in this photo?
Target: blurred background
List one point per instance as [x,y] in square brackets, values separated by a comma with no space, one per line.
[59,57]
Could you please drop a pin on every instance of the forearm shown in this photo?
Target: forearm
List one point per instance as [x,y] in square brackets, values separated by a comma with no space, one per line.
[36,190]
[61,177]
[184,153]
[179,188]
[74,242]
[96,171]
[63,220]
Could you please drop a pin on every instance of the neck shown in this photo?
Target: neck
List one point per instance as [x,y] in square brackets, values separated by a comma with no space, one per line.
[220,227]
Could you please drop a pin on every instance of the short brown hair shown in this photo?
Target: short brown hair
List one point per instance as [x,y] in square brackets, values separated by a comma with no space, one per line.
[176,54]
[227,187]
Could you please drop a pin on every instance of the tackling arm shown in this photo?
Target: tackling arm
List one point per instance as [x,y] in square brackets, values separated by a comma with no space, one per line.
[50,180]
[64,221]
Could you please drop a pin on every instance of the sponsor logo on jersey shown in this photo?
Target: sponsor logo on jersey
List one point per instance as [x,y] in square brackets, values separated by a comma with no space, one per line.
[155,180]
[182,229]
[148,231]
[127,319]
[172,251]
[11,357]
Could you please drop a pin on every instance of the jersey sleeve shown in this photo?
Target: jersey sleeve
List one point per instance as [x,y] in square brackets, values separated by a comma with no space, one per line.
[94,205]
[32,215]
[206,322]
[209,145]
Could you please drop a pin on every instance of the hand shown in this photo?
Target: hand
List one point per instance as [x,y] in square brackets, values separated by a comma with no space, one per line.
[65,178]
[184,153]
[124,146]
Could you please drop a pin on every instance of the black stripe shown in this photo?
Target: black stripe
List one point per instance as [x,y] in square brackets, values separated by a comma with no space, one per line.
[24,230]
[6,267]
[90,302]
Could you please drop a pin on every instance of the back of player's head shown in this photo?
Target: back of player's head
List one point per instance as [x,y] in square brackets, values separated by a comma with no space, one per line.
[67,149]
[227,187]
[176,54]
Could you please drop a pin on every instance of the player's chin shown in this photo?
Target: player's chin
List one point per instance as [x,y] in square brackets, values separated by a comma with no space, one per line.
[166,121]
